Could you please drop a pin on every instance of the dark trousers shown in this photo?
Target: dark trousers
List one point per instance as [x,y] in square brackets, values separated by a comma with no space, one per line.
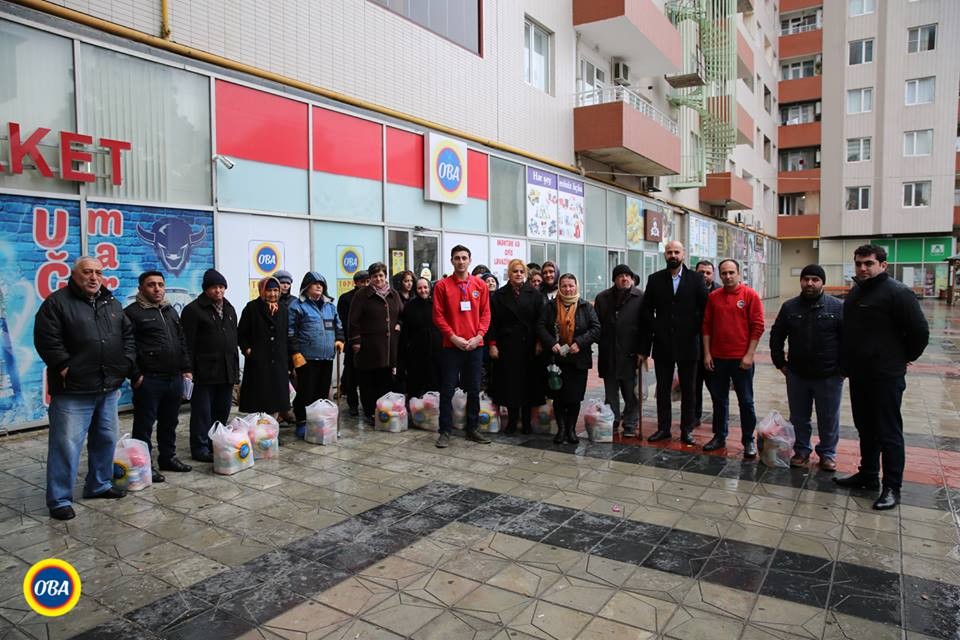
[802,393]
[703,380]
[613,388]
[157,400]
[373,384]
[723,372]
[463,368]
[348,383]
[687,373]
[313,383]
[876,414]
[209,403]
[522,413]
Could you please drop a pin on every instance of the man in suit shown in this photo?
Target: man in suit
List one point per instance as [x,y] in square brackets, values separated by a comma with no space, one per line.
[674,301]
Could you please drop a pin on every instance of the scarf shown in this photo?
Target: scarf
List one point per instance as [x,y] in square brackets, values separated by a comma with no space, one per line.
[381,291]
[516,289]
[272,307]
[146,304]
[566,317]
[218,308]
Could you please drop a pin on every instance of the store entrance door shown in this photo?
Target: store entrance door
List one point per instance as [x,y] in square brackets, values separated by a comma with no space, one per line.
[398,251]
[426,256]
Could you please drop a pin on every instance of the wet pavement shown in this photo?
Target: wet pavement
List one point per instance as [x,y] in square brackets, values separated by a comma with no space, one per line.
[384,536]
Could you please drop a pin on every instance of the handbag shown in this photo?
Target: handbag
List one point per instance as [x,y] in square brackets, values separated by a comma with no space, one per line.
[554,379]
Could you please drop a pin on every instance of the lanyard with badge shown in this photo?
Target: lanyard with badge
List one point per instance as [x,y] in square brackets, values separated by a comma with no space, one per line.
[464,296]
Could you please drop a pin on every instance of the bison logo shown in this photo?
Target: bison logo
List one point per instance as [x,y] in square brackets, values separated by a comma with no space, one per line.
[172,239]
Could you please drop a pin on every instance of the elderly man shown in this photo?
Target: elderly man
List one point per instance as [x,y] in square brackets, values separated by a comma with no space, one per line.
[86,341]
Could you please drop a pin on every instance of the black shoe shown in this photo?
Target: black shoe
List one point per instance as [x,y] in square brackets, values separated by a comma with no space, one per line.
[108,494]
[443,441]
[477,437]
[858,480]
[571,436]
[174,464]
[155,476]
[353,412]
[511,429]
[203,456]
[687,438]
[558,438]
[526,429]
[750,449]
[659,435]
[889,498]
[715,444]
[63,513]
[369,421]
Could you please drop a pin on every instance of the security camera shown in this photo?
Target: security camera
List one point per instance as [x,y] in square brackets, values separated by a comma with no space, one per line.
[225,161]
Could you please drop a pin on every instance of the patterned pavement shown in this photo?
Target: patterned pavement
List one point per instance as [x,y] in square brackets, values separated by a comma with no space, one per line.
[384,536]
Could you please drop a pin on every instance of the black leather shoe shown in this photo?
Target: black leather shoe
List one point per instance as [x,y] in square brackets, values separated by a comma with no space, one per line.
[526,429]
[658,435]
[889,498]
[476,436]
[750,449]
[155,476]
[353,412]
[205,456]
[109,494]
[858,480]
[687,438]
[715,444]
[174,464]
[510,430]
[63,513]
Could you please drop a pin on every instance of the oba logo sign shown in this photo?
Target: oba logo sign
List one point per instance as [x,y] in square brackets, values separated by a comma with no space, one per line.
[52,587]
[449,170]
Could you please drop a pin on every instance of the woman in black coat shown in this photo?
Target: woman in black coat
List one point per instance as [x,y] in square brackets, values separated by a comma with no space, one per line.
[568,327]
[262,337]
[420,343]
[515,310]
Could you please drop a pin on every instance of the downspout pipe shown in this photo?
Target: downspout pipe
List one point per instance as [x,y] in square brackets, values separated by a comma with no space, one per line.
[165,19]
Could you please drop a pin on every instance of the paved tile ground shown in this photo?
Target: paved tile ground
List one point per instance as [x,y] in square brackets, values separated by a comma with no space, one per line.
[385,536]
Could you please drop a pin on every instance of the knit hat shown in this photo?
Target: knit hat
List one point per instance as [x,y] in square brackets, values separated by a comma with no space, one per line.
[621,269]
[311,277]
[487,276]
[361,275]
[814,270]
[283,277]
[212,277]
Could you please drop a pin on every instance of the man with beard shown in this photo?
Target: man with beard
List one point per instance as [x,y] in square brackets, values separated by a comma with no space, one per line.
[673,302]
[811,324]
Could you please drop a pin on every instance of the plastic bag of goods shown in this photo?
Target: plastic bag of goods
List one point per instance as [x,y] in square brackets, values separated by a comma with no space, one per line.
[598,421]
[459,409]
[231,447]
[542,419]
[131,464]
[264,434]
[488,420]
[425,411]
[391,413]
[778,438]
[322,419]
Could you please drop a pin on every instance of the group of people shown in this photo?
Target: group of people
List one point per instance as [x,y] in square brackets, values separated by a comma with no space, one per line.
[536,334]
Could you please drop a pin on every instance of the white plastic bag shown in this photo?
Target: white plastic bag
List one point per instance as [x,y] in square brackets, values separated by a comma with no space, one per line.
[488,420]
[391,414]
[322,420]
[459,409]
[778,438]
[264,432]
[598,421]
[131,464]
[231,447]
[542,418]
[425,411]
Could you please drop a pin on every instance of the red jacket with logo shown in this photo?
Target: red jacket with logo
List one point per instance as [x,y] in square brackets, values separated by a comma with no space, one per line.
[732,319]
[448,293]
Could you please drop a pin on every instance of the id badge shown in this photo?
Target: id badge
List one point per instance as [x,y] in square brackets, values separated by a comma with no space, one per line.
[328,325]
[465,305]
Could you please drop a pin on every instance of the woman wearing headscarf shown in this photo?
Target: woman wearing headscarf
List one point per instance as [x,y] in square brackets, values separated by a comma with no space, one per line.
[568,328]
[375,337]
[486,375]
[515,310]
[420,343]
[549,272]
[262,337]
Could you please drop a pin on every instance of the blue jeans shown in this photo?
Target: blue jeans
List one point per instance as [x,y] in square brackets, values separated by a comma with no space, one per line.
[723,372]
[209,403]
[463,367]
[157,400]
[802,393]
[72,418]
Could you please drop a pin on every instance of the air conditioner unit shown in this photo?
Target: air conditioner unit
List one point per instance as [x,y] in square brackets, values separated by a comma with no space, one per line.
[650,184]
[621,74]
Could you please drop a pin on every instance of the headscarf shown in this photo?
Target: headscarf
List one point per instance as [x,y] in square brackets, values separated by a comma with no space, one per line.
[269,283]
[566,314]
[556,277]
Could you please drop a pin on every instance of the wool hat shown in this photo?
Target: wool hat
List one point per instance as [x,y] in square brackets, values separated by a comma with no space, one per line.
[814,270]
[621,269]
[361,275]
[283,277]
[212,277]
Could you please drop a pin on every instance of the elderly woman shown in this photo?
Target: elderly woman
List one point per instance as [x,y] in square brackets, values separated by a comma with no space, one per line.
[262,337]
[550,273]
[535,278]
[568,328]
[515,310]
[375,337]
[420,343]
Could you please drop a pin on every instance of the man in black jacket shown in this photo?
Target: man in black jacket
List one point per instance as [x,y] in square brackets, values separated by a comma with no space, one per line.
[86,342]
[210,326]
[673,302]
[811,323]
[620,311]
[704,268]
[348,381]
[163,362]
[884,330]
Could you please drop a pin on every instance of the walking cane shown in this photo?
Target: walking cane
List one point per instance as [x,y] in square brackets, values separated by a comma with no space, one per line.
[339,392]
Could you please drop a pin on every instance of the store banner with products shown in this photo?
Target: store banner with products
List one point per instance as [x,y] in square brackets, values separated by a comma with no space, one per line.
[541,204]
[570,209]
[635,228]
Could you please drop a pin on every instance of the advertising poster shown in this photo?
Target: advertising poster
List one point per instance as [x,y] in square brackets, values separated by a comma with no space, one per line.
[266,258]
[724,242]
[635,230]
[349,259]
[502,251]
[541,204]
[653,226]
[570,209]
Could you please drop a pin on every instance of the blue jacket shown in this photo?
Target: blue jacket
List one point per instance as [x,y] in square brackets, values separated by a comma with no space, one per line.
[313,328]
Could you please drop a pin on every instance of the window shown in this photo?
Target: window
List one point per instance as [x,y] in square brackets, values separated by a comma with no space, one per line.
[918,143]
[792,205]
[799,159]
[767,99]
[861,51]
[920,90]
[798,113]
[922,38]
[455,20]
[860,100]
[799,69]
[862,7]
[801,23]
[858,198]
[536,61]
[916,194]
[508,211]
[858,149]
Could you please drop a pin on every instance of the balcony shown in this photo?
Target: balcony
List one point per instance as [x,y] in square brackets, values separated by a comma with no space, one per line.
[795,136]
[798,181]
[744,126]
[800,90]
[633,30]
[786,6]
[727,190]
[798,227]
[617,127]
[806,40]
[744,58]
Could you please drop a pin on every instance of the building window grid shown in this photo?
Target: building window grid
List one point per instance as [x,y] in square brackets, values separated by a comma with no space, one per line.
[861,7]
[860,100]
[858,149]
[858,198]
[918,143]
[861,52]
[455,20]
[537,43]
[920,91]
[922,38]
[798,113]
[916,194]
[798,69]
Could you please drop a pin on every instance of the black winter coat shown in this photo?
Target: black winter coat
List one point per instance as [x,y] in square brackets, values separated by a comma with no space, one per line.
[343,310]
[883,329]
[374,326]
[812,328]
[621,333]
[161,344]
[212,341]
[420,345]
[513,328]
[265,382]
[586,331]
[674,320]
[93,338]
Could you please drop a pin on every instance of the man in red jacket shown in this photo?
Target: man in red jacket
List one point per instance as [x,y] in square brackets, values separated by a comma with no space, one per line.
[461,312]
[732,326]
